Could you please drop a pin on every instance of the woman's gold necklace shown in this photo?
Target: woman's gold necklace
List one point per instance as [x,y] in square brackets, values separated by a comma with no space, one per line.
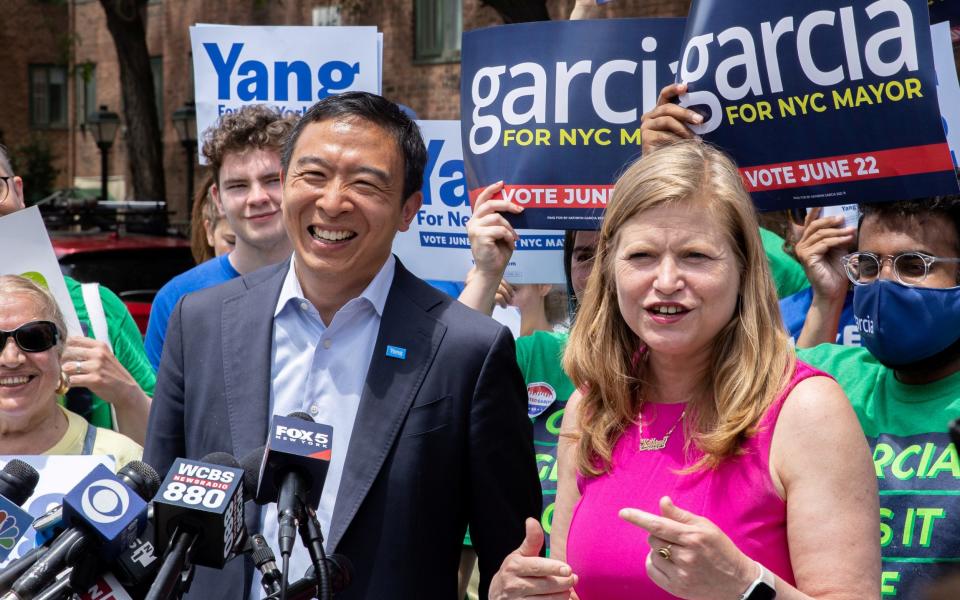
[658,443]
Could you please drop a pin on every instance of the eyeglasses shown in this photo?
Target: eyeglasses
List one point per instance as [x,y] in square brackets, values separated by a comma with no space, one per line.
[35,336]
[4,187]
[910,268]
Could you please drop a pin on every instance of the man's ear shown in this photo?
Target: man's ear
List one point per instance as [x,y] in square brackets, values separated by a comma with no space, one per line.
[410,208]
[17,191]
[215,197]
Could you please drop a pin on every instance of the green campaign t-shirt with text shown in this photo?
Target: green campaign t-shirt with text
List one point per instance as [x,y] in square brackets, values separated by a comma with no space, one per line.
[917,468]
[540,356]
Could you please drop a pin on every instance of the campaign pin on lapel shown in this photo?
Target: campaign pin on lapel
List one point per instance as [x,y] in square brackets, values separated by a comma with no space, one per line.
[397,352]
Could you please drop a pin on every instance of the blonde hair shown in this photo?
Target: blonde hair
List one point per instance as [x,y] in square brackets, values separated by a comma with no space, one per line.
[41,297]
[204,208]
[751,358]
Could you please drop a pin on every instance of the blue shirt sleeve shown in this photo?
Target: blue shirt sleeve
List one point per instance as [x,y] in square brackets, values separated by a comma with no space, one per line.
[163,305]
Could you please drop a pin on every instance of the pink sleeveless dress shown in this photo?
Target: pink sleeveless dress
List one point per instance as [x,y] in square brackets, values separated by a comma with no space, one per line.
[609,554]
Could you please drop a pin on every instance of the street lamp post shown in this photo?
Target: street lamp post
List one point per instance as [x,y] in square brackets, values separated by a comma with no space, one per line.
[185,122]
[103,124]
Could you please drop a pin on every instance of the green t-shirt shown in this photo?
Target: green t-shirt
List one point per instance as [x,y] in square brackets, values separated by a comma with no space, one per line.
[540,357]
[788,274]
[126,341]
[916,464]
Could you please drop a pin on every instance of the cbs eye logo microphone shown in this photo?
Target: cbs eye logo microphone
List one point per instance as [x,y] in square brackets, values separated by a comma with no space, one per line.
[105,501]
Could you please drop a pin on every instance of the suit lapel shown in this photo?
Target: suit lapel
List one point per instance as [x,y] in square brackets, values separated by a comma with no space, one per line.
[247,339]
[389,390]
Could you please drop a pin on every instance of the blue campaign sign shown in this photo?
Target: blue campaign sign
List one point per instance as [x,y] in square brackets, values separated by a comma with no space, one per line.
[436,245]
[945,10]
[286,68]
[553,109]
[820,103]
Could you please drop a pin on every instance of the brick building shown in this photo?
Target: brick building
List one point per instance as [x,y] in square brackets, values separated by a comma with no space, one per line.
[62,64]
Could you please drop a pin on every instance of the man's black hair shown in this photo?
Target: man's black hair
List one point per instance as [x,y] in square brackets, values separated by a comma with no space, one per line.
[946,206]
[373,109]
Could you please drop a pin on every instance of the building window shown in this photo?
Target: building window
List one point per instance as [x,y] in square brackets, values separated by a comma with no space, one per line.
[439,24]
[156,69]
[86,95]
[48,96]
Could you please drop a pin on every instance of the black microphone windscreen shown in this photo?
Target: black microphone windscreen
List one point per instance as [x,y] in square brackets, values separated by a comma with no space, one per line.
[17,481]
[251,471]
[301,415]
[141,478]
[221,458]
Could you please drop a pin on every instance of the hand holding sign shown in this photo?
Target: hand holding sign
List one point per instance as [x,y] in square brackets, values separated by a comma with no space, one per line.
[690,557]
[524,574]
[668,121]
[492,242]
[492,238]
[823,243]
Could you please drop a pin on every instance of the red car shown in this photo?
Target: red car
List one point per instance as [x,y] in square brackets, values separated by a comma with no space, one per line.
[133,266]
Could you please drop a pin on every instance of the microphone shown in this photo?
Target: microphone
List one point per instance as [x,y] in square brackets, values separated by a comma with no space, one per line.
[104,511]
[341,576]
[127,578]
[203,499]
[294,467]
[198,517]
[17,482]
[266,562]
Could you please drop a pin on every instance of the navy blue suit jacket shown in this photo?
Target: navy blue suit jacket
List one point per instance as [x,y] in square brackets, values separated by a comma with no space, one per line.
[441,438]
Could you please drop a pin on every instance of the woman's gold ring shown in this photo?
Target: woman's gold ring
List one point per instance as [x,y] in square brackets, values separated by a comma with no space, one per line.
[664,551]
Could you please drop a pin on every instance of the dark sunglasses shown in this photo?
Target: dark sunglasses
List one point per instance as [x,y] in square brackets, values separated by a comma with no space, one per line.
[35,336]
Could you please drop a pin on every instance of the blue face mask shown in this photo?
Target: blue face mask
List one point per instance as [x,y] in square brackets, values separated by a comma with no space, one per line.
[901,325]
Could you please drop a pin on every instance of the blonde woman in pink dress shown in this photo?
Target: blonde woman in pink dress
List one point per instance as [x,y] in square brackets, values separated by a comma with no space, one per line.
[699,459]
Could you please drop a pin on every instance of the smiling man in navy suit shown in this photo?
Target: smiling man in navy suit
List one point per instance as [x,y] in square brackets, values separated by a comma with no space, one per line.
[424,395]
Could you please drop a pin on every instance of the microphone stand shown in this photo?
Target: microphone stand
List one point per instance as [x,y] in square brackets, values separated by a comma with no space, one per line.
[18,567]
[72,580]
[176,571]
[312,537]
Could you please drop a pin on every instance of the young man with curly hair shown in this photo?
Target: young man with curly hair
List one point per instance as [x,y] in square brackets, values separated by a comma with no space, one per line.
[244,155]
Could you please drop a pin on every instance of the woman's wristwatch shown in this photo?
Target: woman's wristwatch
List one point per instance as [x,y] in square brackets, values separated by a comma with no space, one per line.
[763,587]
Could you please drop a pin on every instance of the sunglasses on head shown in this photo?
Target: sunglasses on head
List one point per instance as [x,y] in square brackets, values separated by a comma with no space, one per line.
[35,336]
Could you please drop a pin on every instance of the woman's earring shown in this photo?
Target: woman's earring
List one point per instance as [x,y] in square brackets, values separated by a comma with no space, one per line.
[64,386]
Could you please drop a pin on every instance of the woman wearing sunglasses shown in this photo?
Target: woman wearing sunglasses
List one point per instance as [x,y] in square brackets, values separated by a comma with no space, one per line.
[31,377]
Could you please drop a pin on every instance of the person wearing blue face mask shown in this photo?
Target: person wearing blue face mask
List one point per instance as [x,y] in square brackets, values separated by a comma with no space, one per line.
[904,383]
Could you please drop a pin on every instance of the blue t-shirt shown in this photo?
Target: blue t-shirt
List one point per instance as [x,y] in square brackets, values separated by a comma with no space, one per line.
[207,274]
[794,311]
[450,288]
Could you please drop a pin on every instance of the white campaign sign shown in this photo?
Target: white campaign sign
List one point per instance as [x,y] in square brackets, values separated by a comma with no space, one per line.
[25,249]
[58,475]
[287,68]
[436,245]
[948,88]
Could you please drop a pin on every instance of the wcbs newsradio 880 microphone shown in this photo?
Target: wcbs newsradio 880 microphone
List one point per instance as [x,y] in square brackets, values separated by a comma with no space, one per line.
[17,482]
[198,520]
[104,512]
[203,499]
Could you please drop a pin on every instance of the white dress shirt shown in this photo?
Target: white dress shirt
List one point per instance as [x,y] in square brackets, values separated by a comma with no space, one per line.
[321,370]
